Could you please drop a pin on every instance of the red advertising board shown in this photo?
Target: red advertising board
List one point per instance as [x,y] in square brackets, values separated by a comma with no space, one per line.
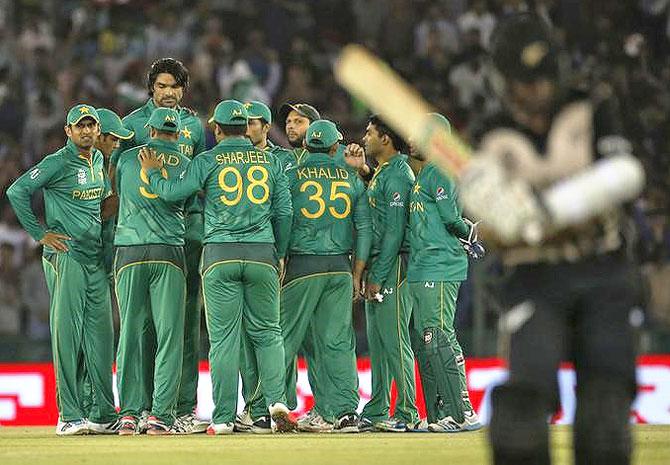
[27,391]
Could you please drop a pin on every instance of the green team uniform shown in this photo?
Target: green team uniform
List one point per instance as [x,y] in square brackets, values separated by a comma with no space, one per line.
[82,334]
[150,282]
[388,321]
[329,204]
[191,143]
[438,264]
[247,224]
[293,158]
[298,156]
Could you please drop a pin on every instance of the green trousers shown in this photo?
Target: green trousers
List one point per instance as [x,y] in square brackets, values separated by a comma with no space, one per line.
[82,338]
[391,356]
[318,293]
[150,286]
[241,293]
[434,306]
[188,388]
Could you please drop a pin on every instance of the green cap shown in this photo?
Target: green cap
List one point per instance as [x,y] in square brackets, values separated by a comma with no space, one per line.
[81,111]
[164,119]
[110,123]
[322,134]
[441,120]
[230,112]
[258,110]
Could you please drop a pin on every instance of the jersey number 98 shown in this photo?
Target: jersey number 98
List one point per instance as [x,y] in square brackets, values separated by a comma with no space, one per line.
[257,183]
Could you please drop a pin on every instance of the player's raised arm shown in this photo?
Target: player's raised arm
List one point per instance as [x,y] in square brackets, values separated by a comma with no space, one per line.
[363,225]
[189,182]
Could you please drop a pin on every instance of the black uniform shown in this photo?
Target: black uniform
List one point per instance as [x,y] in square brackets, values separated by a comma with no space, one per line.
[569,296]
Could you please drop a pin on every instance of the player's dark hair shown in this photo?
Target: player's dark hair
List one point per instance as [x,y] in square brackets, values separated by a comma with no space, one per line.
[170,66]
[384,130]
[233,129]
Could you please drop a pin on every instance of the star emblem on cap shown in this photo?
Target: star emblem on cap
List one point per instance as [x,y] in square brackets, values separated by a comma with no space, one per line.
[248,105]
[186,133]
[83,110]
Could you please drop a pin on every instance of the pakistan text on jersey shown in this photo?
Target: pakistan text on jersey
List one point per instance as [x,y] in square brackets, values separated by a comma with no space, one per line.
[186,149]
[250,156]
[326,173]
[416,207]
[87,194]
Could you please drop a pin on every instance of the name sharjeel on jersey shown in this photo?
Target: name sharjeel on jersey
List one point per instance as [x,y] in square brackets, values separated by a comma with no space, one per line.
[249,156]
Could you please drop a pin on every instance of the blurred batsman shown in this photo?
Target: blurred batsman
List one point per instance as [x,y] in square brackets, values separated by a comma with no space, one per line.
[569,287]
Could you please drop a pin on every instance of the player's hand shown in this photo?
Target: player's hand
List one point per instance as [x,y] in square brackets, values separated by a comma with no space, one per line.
[110,206]
[55,241]
[148,159]
[354,156]
[358,286]
[371,291]
[282,269]
[471,244]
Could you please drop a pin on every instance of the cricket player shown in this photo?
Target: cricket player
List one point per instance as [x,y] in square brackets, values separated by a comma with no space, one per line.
[297,117]
[82,335]
[569,291]
[247,225]
[150,276]
[255,418]
[112,132]
[440,240]
[387,308]
[167,82]
[329,207]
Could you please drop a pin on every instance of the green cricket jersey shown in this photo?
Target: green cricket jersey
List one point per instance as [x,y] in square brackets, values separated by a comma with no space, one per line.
[144,217]
[388,195]
[246,193]
[191,142]
[285,157]
[191,136]
[435,225]
[108,226]
[74,187]
[329,202]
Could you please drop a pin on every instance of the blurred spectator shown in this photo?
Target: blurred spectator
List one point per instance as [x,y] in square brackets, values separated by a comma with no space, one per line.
[436,30]
[478,17]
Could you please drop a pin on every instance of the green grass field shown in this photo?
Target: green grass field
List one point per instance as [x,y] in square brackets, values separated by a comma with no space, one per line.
[28,446]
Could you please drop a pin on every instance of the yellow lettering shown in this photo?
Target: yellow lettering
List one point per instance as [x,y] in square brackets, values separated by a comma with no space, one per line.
[302,173]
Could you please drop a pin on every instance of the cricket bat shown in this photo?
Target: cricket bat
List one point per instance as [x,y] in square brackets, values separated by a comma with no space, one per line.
[375,84]
[606,184]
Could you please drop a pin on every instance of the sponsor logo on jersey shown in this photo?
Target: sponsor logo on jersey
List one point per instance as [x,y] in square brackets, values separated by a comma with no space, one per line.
[81,176]
[396,200]
[440,193]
